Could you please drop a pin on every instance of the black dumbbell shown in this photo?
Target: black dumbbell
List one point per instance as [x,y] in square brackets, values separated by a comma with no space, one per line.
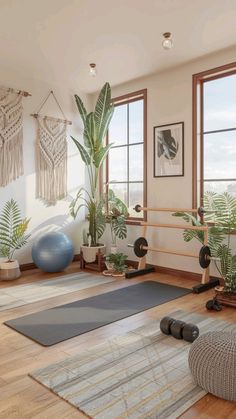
[179,329]
[213,305]
[165,325]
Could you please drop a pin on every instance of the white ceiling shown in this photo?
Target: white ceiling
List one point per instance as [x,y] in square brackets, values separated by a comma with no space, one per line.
[55,40]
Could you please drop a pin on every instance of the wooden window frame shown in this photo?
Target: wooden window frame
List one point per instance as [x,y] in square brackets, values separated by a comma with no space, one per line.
[198,81]
[122,100]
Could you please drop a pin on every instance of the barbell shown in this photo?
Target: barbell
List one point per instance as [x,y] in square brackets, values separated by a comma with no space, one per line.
[141,248]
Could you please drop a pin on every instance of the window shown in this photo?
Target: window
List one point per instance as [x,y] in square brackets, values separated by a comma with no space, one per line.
[126,163]
[214,132]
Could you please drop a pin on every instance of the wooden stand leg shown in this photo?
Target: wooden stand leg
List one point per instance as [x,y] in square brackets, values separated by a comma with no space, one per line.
[205,275]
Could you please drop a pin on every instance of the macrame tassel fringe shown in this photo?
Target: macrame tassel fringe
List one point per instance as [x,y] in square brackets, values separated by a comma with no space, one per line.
[11,159]
[51,182]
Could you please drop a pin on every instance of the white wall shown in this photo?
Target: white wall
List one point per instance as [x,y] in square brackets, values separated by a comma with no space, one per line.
[169,101]
[43,218]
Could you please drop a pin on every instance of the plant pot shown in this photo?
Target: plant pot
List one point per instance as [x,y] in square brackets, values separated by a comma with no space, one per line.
[9,270]
[90,252]
[225,298]
[114,249]
[109,266]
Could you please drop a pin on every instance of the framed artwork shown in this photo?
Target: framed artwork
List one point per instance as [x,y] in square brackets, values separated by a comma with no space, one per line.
[169,150]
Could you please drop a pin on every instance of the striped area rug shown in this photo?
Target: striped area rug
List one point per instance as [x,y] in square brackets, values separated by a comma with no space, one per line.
[143,374]
[20,295]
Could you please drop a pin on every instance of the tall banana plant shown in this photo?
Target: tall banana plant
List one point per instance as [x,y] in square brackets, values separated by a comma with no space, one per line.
[12,230]
[93,153]
[220,217]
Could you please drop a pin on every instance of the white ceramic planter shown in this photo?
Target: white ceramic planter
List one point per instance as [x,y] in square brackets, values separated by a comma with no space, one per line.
[90,252]
[114,249]
[9,270]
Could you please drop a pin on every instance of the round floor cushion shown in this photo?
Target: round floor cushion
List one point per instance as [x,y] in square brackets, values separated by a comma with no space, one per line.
[212,361]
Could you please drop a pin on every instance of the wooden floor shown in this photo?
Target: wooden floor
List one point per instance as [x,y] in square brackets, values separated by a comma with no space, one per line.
[22,397]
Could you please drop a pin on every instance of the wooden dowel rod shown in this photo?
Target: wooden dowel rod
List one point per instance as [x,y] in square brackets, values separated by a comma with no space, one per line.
[169,209]
[178,226]
[171,252]
[19,92]
[37,115]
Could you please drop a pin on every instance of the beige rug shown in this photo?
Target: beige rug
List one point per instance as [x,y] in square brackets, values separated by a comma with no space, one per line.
[143,374]
[20,295]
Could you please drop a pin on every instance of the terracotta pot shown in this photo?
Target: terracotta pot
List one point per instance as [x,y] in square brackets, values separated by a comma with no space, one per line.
[90,252]
[9,270]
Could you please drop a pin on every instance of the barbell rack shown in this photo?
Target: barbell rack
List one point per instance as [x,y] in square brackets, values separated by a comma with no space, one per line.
[206,283]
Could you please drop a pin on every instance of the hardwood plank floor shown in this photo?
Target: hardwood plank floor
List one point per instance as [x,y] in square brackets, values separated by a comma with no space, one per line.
[22,397]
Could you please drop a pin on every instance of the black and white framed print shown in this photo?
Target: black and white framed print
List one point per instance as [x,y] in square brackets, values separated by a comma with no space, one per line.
[169,150]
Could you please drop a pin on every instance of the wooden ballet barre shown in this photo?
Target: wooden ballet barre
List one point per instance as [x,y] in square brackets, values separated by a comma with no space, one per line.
[138,208]
[178,226]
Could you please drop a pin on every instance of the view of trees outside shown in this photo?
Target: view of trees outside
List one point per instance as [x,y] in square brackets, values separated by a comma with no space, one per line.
[220,135]
[125,167]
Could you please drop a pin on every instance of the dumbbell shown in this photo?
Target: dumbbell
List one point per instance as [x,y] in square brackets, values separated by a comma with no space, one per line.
[213,305]
[179,329]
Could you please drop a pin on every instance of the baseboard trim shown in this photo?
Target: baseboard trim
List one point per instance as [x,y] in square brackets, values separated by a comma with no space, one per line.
[31,265]
[158,269]
[171,271]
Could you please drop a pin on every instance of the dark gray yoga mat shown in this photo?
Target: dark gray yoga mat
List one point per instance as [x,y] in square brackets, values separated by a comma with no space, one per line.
[60,323]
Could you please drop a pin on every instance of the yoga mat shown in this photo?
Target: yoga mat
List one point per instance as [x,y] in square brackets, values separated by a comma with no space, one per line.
[60,323]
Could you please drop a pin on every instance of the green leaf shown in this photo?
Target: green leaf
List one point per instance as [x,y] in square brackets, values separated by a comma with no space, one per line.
[81,108]
[105,125]
[102,106]
[83,153]
[91,130]
[100,155]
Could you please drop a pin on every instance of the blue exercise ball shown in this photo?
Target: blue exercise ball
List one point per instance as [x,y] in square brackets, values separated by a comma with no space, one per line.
[52,252]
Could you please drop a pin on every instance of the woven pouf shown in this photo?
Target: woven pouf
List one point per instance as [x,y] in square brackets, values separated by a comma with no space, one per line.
[212,361]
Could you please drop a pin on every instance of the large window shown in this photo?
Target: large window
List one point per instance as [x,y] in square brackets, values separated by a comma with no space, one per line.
[214,124]
[126,164]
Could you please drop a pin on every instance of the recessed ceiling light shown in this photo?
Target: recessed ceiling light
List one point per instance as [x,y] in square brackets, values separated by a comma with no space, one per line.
[92,70]
[167,42]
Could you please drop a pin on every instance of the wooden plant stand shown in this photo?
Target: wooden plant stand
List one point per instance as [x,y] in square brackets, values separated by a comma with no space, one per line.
[225,298]
[98,265]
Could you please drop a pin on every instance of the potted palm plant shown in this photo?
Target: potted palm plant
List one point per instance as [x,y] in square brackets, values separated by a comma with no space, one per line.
[220,216]
[12,237]
[93,153]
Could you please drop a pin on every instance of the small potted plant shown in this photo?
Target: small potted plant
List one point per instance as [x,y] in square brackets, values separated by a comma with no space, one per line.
[117,263]
[93,153]
[12,237]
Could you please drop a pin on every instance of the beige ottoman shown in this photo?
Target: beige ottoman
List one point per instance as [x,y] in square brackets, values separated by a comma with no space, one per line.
[212,361]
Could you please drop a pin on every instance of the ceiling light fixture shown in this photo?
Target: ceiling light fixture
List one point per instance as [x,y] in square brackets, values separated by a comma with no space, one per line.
[92,70]
[167,42]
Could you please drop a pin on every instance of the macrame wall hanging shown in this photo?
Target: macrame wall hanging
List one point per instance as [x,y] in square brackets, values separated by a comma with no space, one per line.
[51,156]
[11,134]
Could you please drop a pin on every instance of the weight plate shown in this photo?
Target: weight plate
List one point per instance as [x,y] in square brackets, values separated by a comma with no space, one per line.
[165,324]
[176,329]
[204,257]
[138,247]
[210,304]
[137,208]
[190,332]
[201,211]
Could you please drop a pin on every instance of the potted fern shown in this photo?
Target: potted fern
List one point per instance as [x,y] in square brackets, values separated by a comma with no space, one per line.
[12,237]
[117,263]
[220,216]
[93,153]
